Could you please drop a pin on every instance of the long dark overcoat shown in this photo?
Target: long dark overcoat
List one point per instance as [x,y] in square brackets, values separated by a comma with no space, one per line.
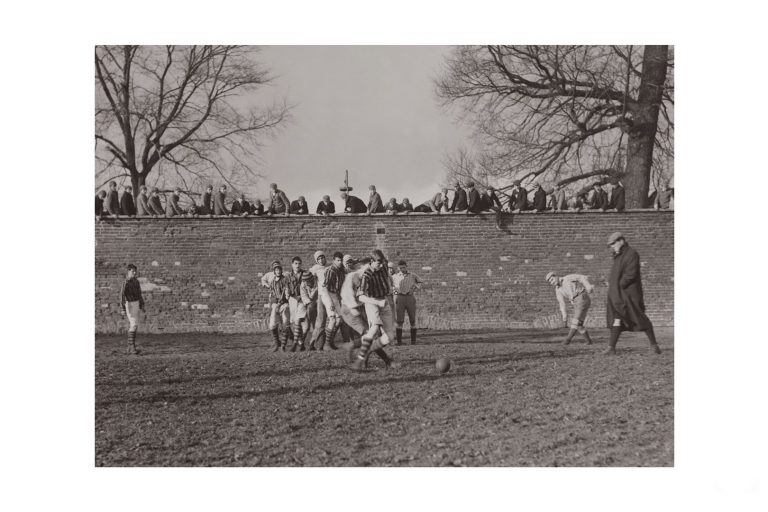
[625,292]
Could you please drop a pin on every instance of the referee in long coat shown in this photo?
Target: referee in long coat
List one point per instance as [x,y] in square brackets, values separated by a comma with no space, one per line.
[625,308]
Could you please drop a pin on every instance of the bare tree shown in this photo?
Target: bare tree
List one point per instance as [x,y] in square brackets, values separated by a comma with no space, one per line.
[562,114]
[193,108]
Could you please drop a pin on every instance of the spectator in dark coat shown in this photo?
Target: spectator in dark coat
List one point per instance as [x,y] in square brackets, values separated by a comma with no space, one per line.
[258,207]
[326,206]
[113,202]
[473,199]
[100,202]
[459,199]
[438,203]
[219,205]
[518,198]
[392,206]
[539,198]
[172,206]
[625,307]
[206,208]
[241,207]
[489,201]
[616,201]
[126,202]
[300,207]
[142,202]
[406,206]
[155,206]
[598,199]
[353,204]
[374,201]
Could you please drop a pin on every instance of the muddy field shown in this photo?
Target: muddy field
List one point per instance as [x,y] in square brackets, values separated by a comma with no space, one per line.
[510,399]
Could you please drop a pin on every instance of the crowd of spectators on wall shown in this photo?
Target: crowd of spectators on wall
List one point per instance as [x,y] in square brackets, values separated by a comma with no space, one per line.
[465,199]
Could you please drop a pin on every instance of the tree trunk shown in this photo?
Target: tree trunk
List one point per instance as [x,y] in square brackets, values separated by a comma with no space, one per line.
[137,181]
[645,111]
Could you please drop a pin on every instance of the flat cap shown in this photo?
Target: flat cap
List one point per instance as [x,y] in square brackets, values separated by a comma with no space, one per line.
[614,236]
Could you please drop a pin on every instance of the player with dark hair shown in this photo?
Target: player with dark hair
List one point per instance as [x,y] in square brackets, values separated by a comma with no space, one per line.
[318,335]
[375,287]
[330,295]
[296,306]
[131,302]
[625,305]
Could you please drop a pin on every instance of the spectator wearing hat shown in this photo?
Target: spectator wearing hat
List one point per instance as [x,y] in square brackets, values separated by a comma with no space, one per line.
[113,202]
[438,203]
[518,198]
[392,207]
[539,198]
[127,206]
[406,206]
[574,288]
[460,203]
[278,201]
[616,196]
[206,208]
[280,316]
[172,206]
[100,203]
[299,206]
[326,206]
[353,204]
[142,203]
[489,201]
[318,270]
[557,200]
[155,205]
[374,201]
[474,205]
[625,307]
[404,285]
[257,208]
[219,206]
[241,207]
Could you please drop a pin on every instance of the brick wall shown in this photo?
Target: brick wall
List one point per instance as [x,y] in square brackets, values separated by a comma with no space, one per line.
[203,274]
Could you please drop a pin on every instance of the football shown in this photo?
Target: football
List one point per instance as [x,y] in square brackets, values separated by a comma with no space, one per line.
[443,364]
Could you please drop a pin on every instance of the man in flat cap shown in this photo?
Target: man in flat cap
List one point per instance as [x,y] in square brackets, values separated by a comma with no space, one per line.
[625,305]
[460,203]
[575,288]
[518,198]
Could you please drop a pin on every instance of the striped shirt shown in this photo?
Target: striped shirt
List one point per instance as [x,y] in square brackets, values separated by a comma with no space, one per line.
[334,277]
[278,289]
[375,283]
[405,283]
[130,291]
[294,283]
[308,292]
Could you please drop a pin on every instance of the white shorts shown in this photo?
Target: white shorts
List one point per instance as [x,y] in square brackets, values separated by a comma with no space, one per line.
[298,310]
[380,316]
[132,312]
[332,299]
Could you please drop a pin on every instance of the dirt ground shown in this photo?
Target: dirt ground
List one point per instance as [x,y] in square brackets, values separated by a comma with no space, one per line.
[511,398]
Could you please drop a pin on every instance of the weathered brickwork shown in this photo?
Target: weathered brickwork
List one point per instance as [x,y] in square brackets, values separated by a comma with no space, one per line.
[203,274]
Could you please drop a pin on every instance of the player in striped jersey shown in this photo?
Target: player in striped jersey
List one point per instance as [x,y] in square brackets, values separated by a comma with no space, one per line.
[330,295]
[375,287]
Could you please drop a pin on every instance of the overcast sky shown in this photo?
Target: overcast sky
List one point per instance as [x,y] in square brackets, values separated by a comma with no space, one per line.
[369,109]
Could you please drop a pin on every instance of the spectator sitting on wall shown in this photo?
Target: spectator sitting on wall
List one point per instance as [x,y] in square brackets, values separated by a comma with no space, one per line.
[100,203]
[374,201]
[326,206]
[241,207]
[664,198]
[473,199]
[299,207]
[172,206]
[597,199]
[392,207]
[257,208]
[155,206]
[439,202]
[126,202]
[219,207]
[576,203]
[207,207]
[353,204]
[518,198]
[539,198]
[459,199]
[113,202]
[616,196]
[406,206]
[557,200]
[489,201]
[142,203]
[278,201]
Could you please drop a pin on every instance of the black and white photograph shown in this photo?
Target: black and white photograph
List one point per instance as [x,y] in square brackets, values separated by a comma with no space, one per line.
[402,256]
